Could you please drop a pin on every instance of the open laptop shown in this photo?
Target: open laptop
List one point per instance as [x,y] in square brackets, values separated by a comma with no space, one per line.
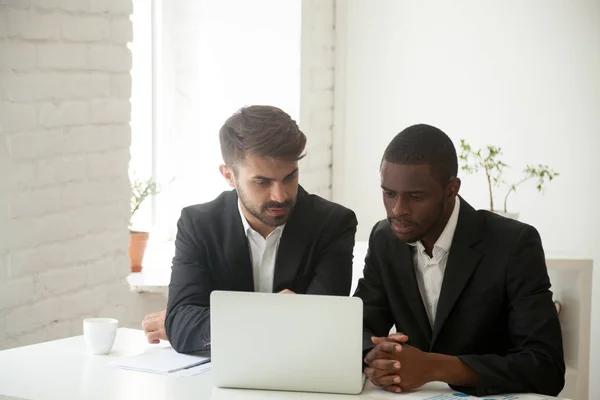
[293,342]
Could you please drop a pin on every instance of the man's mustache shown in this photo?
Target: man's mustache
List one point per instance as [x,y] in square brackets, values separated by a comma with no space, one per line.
[275,204]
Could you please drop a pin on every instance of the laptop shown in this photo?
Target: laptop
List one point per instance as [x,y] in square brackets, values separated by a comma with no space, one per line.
[288,342]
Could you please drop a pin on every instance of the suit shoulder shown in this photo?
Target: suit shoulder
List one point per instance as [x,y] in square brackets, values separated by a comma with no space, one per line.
[498,226]
[322,208]
[381,233]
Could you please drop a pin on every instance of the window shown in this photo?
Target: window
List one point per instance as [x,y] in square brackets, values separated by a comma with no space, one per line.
[194,63]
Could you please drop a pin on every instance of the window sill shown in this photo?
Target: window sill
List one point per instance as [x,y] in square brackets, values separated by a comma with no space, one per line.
[150,281]
[156,272]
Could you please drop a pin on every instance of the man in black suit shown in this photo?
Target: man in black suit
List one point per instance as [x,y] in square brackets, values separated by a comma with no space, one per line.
[468,291]
[266,235]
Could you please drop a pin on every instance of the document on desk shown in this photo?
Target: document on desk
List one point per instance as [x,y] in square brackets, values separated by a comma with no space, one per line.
[431,395]
[438,391]
[462,396]
[166,361]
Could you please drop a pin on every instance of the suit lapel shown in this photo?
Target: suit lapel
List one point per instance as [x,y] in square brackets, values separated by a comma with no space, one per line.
[295,238]
[402,260]
[462,261]
[235,246]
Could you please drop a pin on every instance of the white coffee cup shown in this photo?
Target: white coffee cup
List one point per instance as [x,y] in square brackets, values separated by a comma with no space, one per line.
[99,334]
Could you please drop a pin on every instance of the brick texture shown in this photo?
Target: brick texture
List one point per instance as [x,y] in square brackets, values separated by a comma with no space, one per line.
[64,154]
[317,85]
[64,151]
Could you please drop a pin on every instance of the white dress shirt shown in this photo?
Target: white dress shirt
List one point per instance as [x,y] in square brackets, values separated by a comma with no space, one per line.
[430,270]
[262,254]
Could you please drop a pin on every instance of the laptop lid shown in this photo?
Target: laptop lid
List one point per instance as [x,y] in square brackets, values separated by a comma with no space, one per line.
[290,342]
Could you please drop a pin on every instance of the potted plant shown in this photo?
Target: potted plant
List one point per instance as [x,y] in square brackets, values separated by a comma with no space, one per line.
[489,160]
[142,188]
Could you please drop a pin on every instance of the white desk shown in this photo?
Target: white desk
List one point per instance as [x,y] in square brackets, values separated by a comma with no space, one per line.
[62,369]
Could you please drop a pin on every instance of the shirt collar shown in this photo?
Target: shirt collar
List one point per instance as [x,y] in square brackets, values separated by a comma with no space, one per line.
[248,229]
[444,242]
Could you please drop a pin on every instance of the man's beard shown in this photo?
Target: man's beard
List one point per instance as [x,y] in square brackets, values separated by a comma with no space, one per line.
[260,213]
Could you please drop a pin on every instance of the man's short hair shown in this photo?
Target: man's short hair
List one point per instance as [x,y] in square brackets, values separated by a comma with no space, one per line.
[263,131]
[424,144]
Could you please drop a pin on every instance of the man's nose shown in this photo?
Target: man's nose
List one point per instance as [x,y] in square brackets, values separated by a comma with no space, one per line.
[278,193]
[400,208]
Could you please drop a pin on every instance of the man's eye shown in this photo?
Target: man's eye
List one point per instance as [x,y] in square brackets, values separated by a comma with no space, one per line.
[261,182]
[290,178]
[416,197]
[389,193]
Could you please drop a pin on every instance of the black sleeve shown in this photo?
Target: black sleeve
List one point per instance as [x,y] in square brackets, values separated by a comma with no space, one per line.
[535,363]
[333,272]
[377,316]
[187,322]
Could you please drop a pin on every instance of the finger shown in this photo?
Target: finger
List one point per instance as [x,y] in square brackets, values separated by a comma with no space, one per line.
[393,338]
[387,380]
[385,364]
[385,351]
[399,337]
[383,355]
[150,321]
[145,325]
[151,339]
[393,389]
[151,327]
[389,347]
[387,343]
[157,335]
[378,339]
[153,316]
[376,374]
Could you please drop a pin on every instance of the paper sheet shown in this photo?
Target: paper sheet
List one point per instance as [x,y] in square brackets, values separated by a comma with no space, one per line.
[199,369]
[438,391]
[163,361]
[460,396]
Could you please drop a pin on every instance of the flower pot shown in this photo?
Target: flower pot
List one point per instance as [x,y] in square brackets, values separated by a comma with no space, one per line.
[512,215]
[137,247]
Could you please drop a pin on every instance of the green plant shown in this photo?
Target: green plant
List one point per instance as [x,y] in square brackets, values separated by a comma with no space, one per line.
[141,189]
[489,160]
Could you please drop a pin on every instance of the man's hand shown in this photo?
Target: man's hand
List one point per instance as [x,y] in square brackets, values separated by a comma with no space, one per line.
[397,337]
[396,366]
[154,327]
[286,291]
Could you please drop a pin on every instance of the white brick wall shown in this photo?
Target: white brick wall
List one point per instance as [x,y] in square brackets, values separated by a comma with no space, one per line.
[64,152]
[316,105]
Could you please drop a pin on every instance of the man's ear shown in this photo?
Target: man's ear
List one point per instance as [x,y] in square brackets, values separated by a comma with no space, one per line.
[227,173]
[454,187]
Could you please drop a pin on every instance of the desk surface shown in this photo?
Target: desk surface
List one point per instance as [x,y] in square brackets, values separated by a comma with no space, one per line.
[62,369]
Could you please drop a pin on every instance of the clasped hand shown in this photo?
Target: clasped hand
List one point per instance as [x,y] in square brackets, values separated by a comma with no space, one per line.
[396,366]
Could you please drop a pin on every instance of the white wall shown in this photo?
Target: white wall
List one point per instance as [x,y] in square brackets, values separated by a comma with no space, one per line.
[317,93]
[218,56]
[520,75]
[64,151]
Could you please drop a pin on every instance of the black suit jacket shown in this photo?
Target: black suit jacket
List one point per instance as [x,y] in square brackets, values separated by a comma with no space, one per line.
[495,310]
[211,253]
